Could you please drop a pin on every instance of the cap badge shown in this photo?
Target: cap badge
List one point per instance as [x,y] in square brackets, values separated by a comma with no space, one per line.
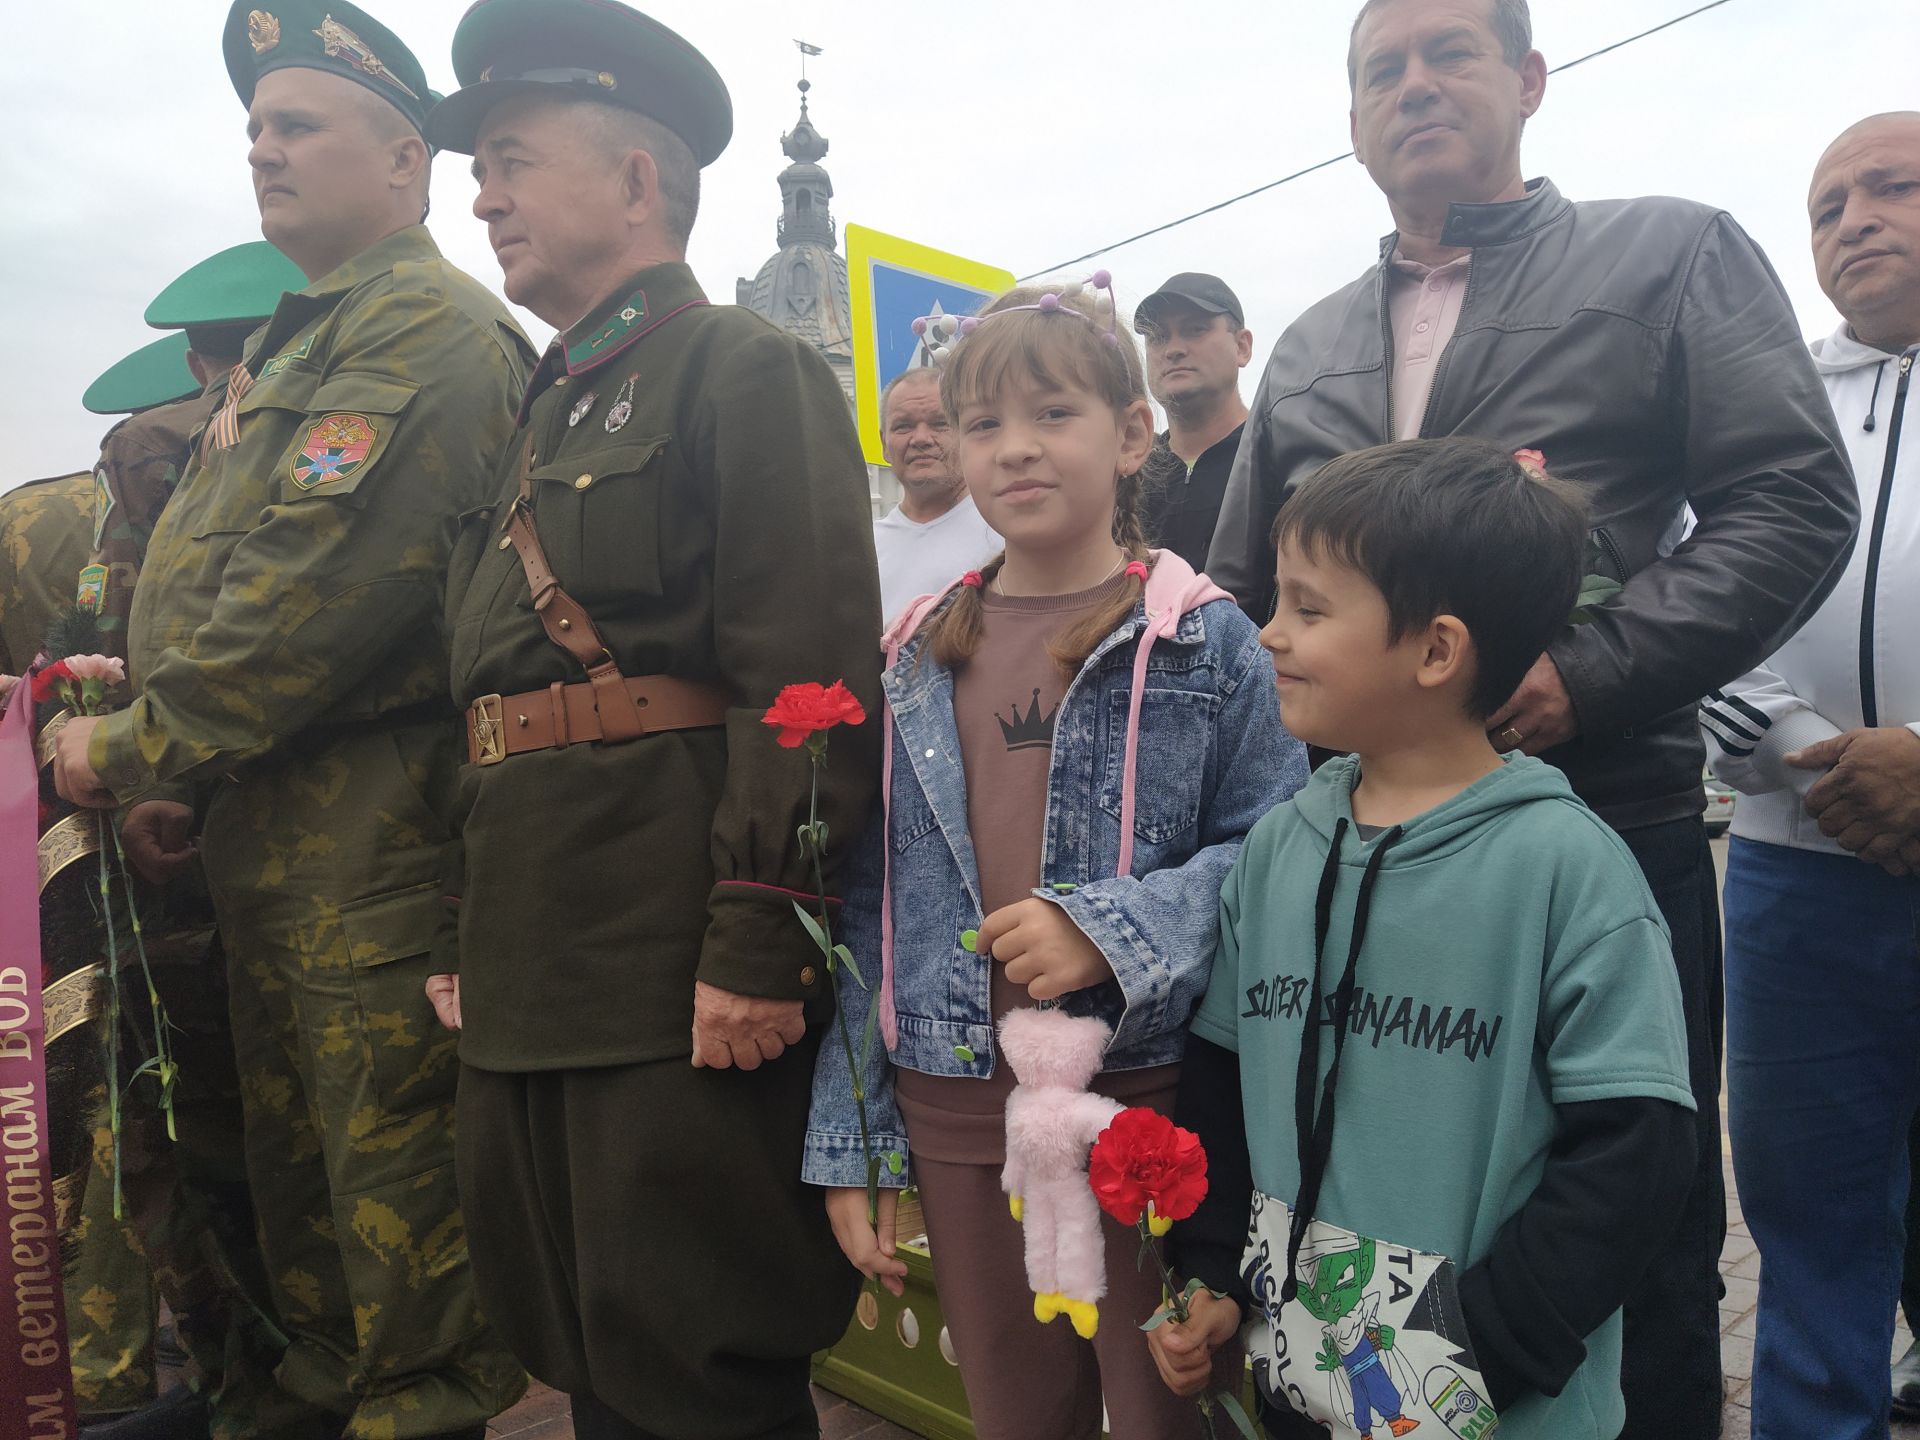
[263,31]
[341,43]
[486,75]
[606,81]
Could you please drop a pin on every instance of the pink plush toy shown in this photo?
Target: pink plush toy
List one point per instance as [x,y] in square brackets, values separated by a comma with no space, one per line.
[1052,1122]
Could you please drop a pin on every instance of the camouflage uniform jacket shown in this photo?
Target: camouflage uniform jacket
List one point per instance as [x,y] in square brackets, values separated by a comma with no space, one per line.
[698,487]
[141,461]
[44,529]
[294,579]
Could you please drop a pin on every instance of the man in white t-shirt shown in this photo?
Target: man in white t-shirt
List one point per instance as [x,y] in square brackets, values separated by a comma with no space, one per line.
[934,534]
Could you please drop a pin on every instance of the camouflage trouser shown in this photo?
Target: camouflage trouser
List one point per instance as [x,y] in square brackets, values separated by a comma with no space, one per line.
[325,877]
[188,1201]
[110,1299]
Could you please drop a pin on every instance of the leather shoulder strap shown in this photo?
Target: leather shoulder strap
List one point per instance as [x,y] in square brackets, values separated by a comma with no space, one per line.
[567,624]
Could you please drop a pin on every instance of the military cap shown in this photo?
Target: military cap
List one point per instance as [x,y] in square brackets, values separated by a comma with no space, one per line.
[594,49]
[152,375]
[239,286]
[330,35]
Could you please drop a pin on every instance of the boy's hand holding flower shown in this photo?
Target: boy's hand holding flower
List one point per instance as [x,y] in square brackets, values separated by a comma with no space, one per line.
[1183,1350]
[1042,949]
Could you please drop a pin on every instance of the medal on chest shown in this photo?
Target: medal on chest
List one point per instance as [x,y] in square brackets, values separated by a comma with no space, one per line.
[580,409]
[621,410]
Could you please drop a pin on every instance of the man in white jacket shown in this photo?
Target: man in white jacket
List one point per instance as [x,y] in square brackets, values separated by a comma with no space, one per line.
[1823,878]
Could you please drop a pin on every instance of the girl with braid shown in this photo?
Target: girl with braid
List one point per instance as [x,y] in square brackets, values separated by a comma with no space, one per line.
[1079,736]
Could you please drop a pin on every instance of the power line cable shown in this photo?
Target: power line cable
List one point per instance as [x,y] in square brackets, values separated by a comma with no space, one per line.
[1348,154]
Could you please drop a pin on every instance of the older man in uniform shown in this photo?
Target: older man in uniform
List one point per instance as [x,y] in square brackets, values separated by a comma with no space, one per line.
[681,531]
[284,640]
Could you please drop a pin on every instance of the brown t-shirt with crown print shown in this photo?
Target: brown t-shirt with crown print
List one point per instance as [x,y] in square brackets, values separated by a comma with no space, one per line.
[1005,699]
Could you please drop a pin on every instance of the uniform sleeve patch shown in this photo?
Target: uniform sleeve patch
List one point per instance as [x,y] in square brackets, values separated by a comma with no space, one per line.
[336,447]
[93,588]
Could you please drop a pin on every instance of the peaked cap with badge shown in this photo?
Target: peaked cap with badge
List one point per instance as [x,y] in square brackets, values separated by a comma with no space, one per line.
[593,49]
[342,39]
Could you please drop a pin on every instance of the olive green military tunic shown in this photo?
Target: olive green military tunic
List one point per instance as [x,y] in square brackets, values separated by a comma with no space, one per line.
[285,641]
[719,532]
[46,527]
[697,486]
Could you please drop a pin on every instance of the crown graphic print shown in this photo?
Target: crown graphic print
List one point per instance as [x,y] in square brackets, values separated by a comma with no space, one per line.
[1031,731]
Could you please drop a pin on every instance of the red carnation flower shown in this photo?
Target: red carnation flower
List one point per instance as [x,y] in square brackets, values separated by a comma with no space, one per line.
[46,681]
[803,710]
[1142,1158]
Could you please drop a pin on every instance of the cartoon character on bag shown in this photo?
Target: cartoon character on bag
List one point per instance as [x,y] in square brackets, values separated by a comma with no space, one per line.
[1367,1375]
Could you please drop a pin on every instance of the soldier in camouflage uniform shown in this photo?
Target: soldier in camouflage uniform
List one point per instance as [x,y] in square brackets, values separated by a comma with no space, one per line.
[45,528]
[641,1005]
[284,640]
[187,1199]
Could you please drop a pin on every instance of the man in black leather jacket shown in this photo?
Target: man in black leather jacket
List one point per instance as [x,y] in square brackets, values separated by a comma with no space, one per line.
[1647,350]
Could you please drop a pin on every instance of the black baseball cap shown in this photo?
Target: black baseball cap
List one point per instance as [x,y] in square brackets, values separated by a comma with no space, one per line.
[1203,292]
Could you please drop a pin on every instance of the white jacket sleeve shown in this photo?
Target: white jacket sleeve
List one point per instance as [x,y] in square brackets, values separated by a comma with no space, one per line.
[1751,724]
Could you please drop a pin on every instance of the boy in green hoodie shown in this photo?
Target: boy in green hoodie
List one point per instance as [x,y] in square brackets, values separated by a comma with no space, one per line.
[1440,1071]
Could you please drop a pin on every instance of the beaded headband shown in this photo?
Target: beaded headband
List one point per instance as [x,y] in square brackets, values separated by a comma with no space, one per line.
[938,332]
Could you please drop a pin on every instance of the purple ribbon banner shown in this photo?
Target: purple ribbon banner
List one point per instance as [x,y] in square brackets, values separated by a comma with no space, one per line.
[36,1374]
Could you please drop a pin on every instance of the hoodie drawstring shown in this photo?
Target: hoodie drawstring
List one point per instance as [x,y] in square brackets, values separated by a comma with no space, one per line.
[1313,1126]
[1879,374]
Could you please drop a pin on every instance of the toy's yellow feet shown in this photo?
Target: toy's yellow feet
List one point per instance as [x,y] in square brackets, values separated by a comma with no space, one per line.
[1085,1316]
[1013,1204]
[1046,1307]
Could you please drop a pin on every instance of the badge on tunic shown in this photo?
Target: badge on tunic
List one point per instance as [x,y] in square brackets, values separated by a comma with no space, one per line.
[93,588]
[263,31]
[621,410]
[337,446]
[580,409]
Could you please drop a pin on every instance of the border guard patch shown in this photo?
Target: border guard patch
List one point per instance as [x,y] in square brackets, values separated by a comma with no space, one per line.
[336,447]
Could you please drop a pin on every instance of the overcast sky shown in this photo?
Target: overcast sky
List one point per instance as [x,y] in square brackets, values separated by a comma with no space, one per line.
[1016,133]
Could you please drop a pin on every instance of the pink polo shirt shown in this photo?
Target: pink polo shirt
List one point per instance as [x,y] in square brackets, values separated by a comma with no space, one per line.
[1423,307]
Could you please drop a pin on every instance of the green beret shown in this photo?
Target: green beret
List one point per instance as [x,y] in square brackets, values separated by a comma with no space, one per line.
[152,375]
[594,49]
[240,285]
[330,35]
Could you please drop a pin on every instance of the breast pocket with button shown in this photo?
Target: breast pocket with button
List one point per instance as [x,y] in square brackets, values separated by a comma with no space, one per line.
[598,514]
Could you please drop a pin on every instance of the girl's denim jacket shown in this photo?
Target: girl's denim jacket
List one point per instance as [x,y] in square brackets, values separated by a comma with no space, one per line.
[1173,717]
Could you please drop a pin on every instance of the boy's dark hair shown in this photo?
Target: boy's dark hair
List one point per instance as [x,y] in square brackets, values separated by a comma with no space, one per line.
[1451,527]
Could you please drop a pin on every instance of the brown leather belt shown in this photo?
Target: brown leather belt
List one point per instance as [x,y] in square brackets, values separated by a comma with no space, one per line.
[562,715]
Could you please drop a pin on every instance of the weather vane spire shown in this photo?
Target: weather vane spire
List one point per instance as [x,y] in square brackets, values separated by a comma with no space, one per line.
[805,51]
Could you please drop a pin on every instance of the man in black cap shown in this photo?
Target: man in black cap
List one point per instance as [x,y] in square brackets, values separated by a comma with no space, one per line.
[292,682]
[1197,345]
[682,531]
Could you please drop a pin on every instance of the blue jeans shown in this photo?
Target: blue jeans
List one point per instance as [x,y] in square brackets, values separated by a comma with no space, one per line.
[1823,1039]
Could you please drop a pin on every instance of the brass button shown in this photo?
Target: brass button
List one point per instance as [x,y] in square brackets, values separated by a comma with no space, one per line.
[583,482]
[566,624]
[559,379]
[808,975]
[505,541]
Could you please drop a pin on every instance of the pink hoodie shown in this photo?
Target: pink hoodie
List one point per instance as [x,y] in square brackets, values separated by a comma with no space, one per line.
[1173,589]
